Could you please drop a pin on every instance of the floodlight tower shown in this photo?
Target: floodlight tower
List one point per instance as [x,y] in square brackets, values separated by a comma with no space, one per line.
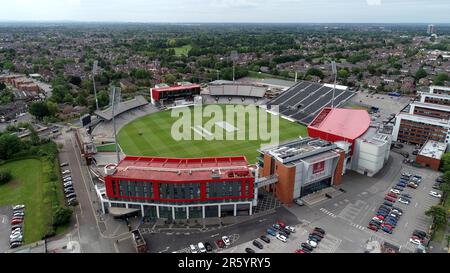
[94,71]
[334,70]
[116,94]
[234,57]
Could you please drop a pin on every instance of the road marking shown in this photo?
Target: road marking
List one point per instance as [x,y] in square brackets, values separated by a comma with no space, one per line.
[416,205]
[406,224]
[3,219]
[212,236]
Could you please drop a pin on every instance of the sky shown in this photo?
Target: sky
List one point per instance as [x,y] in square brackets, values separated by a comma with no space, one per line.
[260,11]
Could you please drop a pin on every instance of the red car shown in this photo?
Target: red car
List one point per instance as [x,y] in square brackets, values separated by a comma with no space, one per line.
[299,251]
[393,195]
[281,223]
[372,227]
[387,226]
[381,217]
[16,222]
[390,199]
[220,243]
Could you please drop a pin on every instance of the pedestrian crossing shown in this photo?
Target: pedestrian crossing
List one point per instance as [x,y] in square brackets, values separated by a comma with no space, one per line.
[357,226]
[329,213]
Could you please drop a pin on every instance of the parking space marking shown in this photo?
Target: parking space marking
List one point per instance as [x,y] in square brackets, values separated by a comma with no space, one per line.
[3,219]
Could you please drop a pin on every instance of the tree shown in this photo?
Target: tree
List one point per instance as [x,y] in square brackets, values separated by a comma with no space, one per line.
[9,145]
[447,177]
[62,216]
[315,72]
[5,176]
[441,78]
[39,110]
[75,80]
[103,98]
[2,86]
[421,73]
[446,162]
[170,78]
[343,73]
[439,215]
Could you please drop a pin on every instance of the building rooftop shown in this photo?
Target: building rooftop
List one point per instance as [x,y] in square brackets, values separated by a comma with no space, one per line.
[292,151]
[346,123]
[182,169]
[425,119]
[433,149]
[176,88]
[374,136]
[439,107]
[122,107]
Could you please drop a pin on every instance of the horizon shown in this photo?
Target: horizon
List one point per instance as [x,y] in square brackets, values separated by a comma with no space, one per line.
[228,11]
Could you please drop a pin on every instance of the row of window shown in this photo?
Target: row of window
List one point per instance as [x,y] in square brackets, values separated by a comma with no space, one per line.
[145,190]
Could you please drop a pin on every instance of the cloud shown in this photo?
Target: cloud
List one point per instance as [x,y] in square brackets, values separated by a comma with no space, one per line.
[373,2]
[235,3]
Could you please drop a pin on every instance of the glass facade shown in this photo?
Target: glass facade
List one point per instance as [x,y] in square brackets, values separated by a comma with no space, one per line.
[223,189]
[179,191]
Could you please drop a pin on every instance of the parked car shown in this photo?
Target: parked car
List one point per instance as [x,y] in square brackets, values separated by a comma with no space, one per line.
[258,244]
[435,194]
[299,202]
[393,195]
[208,246]
[70,195]
[299,251]
[420,233]
[387,204]
[281,238]
[249,250]
[440,179]
[281,223]
[319,230]
[395,191]
[64,164]
[372,227]
[404,201]
[193,249]
[201,247]
[415,241]
[312,243]
[307,246]
[406,195]
[390,199]
[290,228]
[265,239]
[271,231]
[220,243]
[65,172]
[387,230]
[314,238]
[15,244]
[226,240]
[16,222]
[413,185]
[18,207]
[318,234]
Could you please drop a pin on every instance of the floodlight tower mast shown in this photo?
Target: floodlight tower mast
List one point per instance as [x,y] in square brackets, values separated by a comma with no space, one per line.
[334,70]
[116,93]
[234,57]
[94,71]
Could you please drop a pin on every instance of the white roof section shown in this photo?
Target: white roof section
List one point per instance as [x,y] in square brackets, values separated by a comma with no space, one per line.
[433,149]
[426,120]
[338,87]
[431,95]
[430,106]
[441,88]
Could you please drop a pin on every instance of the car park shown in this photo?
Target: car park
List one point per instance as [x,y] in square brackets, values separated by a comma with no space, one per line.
[281,238]
[258,244]
[265,239]
[249,250]
[435,194]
